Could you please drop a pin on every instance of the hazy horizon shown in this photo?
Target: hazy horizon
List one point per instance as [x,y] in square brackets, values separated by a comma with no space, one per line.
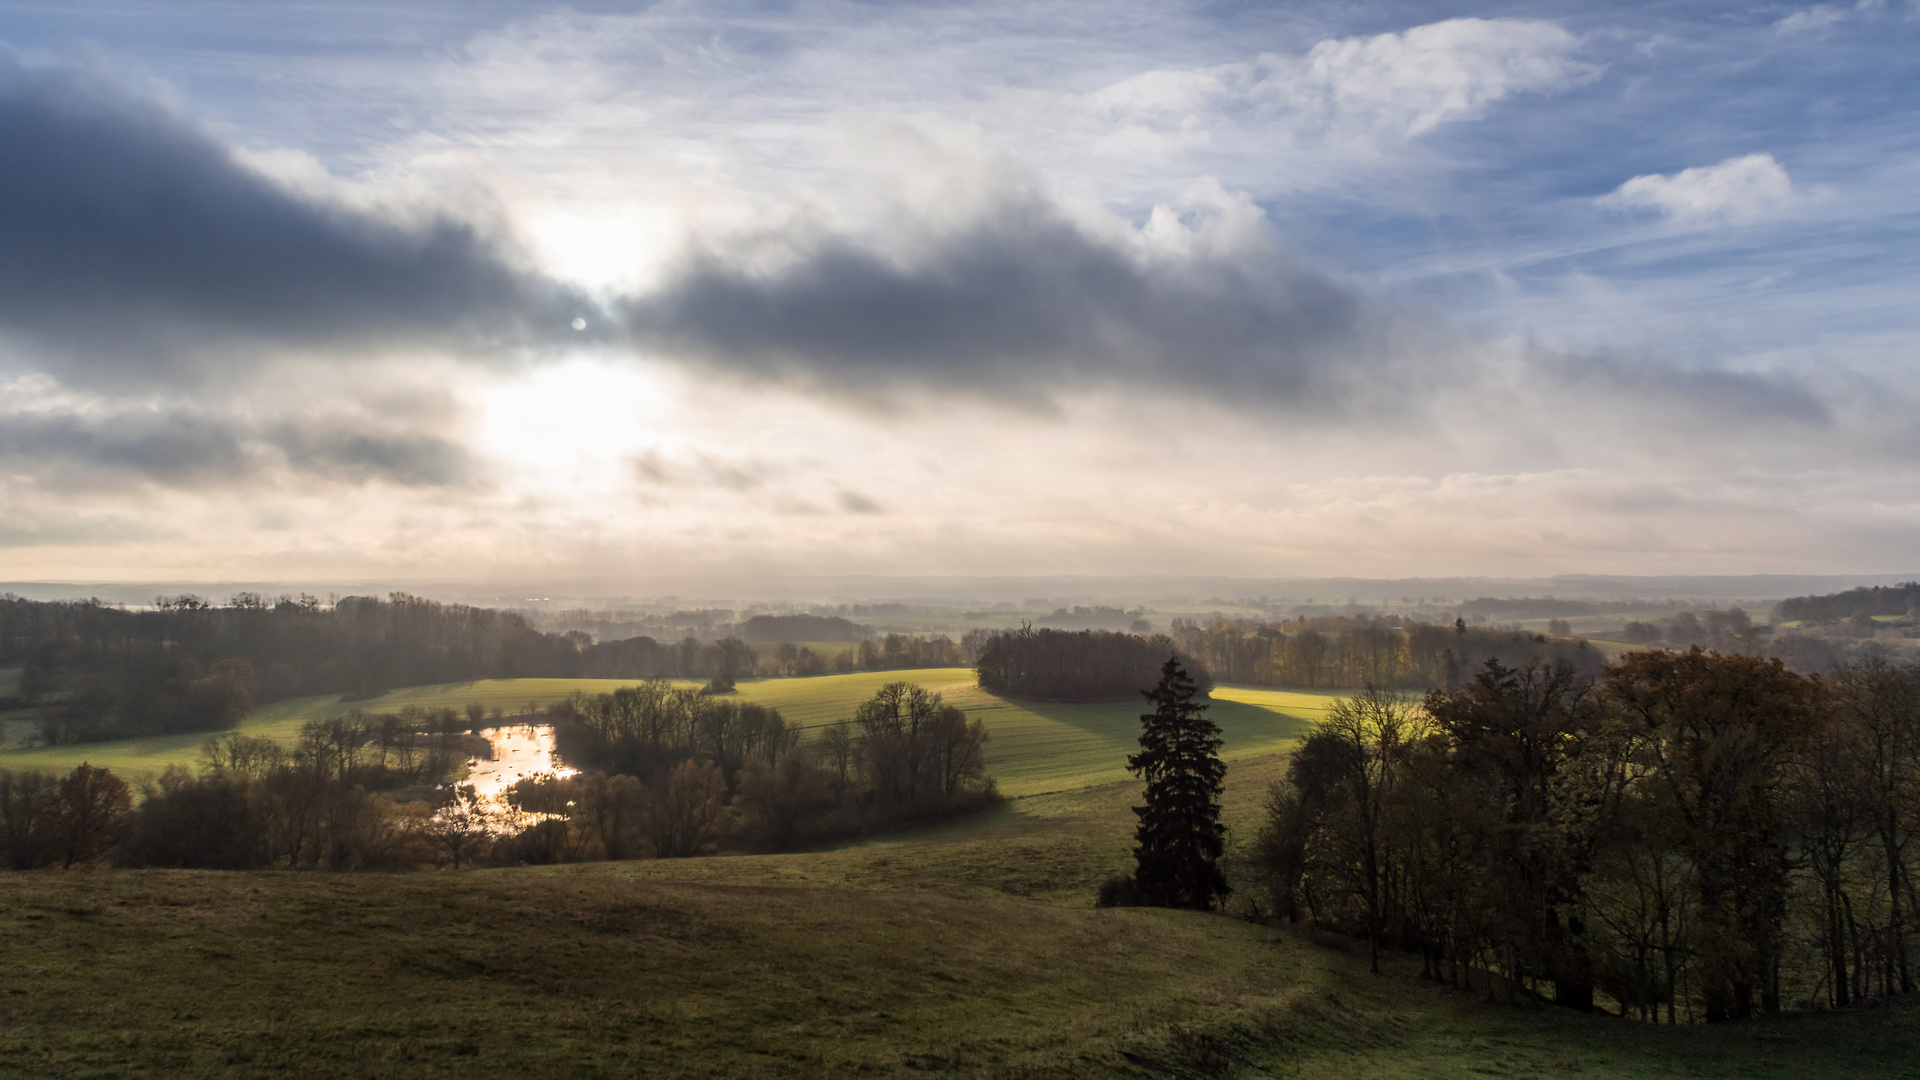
[739,292]
[961,591]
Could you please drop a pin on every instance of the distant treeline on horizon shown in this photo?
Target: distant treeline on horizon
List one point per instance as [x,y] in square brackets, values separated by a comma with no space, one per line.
[91,670]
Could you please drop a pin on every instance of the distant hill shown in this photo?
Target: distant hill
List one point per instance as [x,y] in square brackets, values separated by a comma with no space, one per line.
[1870,600]
[1527,607]
[764,628]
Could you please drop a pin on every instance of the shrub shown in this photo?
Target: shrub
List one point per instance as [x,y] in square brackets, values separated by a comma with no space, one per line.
[1120,890]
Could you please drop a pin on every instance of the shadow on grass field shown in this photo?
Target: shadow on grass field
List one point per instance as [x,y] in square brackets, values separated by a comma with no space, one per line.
[966,950]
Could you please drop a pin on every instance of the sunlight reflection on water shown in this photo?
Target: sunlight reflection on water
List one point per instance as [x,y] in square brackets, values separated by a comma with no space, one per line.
[518,752]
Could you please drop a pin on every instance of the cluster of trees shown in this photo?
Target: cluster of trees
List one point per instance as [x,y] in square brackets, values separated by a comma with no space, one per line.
[1694,834]
[1386,651]
[353,792]
[1839,630]
[335,799]
[646,729]
[1874,600]
[1097,617]
[46,821]
[1731,630]
[787,658]
[888,652]
[904,757]
[897,652]
[96,671]
[1085,665]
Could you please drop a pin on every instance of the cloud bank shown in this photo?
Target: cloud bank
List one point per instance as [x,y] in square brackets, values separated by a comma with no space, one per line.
[137,246]
[1019,300]
[1228,298]
[190,447]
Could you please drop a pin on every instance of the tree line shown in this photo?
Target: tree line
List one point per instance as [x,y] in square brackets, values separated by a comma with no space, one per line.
[353,791]
[1872,600]
[95,671]
[1387,651]
[1068,665]
[1692,835]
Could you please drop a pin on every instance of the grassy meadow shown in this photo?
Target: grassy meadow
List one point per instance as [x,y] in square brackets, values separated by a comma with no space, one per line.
[1034,747]
[967,950]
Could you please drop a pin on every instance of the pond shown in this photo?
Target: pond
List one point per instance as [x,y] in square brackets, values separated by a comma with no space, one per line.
[518,752]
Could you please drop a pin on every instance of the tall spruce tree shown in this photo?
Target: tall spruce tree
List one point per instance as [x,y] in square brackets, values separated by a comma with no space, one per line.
[1180,838]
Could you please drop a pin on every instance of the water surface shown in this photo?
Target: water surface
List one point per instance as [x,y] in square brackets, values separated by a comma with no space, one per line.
[518,752]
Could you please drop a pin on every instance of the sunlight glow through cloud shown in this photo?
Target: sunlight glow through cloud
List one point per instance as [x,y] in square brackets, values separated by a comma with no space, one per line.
[959,288]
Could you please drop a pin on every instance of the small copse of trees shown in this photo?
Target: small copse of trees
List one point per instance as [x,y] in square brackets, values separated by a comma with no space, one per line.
[904,757]
[59,822]
[1084,665]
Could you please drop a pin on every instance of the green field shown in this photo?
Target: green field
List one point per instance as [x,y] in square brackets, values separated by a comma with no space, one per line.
[1034,747]
[968,950]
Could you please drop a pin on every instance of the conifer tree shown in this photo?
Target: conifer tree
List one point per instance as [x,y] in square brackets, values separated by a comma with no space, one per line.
[1180,838]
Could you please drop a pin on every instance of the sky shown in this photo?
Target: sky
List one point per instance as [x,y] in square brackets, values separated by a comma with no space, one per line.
[637,292]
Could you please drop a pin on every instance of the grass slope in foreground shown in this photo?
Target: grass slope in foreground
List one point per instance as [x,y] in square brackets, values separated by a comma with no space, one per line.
[968,950]
[1034,747]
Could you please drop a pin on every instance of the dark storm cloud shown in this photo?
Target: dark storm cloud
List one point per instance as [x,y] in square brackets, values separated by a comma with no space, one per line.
[188,449]
[133,245]
[1025,301]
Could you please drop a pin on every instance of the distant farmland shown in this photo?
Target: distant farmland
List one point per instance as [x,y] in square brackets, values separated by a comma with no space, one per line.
[1034,746]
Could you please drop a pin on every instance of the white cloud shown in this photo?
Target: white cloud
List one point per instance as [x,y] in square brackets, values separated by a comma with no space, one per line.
[1384,87]
[1810,20]
[1821,17]
[1737,190]
[965,160]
